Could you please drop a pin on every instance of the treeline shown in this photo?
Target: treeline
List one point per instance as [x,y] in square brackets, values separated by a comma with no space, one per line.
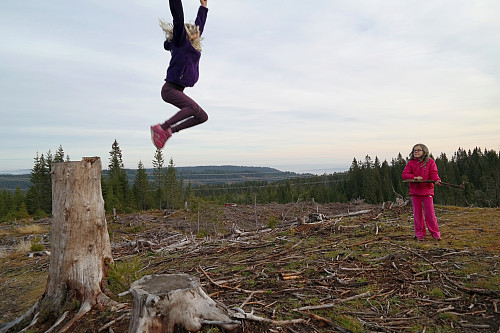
[375,182]
[370,180]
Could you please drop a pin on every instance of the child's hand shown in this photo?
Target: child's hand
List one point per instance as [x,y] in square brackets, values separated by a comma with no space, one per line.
[418,178]
[438,182]
[203,3]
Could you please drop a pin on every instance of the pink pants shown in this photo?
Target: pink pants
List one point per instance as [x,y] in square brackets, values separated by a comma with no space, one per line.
[190,113]
[430,216]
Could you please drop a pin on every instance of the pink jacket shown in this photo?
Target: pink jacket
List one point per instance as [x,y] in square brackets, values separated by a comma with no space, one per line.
[428,172]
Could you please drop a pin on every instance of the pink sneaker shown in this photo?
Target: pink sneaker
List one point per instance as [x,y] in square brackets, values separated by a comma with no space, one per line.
[159,136]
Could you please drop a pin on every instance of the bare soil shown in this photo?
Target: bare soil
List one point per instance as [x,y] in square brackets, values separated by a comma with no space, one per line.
[300,267]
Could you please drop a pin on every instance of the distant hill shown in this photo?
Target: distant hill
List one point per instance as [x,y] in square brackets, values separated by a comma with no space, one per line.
[198,175]
[11,182]
[225,174]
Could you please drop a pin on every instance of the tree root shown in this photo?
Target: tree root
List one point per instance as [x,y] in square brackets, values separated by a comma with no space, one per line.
[28,315]
[84,309]
[57,322]
[33,313]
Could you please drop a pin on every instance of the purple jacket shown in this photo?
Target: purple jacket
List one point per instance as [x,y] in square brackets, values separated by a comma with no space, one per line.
[428,172]
[183,68]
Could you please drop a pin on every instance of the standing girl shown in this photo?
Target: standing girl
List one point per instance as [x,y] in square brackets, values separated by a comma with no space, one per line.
[183,40]
[422,167]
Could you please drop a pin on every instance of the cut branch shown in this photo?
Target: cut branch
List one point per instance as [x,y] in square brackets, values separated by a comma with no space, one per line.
[331,305]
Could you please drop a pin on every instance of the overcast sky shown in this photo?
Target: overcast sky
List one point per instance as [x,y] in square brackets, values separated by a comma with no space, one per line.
[302,86]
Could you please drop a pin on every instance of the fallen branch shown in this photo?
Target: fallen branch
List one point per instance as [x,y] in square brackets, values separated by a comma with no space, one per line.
[329,322]
[331,305]
[467,325]
[113,321]
[446,309]
[247,300]
[176,246]
[359,212]
[240,314]
[228,287]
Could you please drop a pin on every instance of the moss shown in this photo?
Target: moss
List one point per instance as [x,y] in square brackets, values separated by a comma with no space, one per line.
[436,293]
[349,323]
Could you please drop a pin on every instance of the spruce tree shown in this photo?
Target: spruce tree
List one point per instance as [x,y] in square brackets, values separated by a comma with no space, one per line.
[354,181]
[397,166]
[386,182]
[141,188]
[174,196]
[59,156]
[117,179]
[369,183]
[39,195]
[159,177]
[47,187]
[5,202]
[18,207]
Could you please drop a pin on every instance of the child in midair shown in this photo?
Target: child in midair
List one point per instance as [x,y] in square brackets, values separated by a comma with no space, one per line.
[422,167]
[183,40]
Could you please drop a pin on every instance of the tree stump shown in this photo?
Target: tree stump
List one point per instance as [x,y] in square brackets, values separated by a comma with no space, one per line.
[80,246]
[160,302]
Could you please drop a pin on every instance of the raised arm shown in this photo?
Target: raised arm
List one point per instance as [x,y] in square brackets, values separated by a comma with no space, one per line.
[178,20]
[201,18]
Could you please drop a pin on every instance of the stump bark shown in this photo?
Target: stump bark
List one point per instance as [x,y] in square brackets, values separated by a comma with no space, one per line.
[81,250]
[162,302]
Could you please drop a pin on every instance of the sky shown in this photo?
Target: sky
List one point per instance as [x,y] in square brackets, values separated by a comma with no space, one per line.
[303,86]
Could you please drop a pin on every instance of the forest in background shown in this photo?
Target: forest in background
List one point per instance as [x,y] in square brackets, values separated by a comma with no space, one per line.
[371,180]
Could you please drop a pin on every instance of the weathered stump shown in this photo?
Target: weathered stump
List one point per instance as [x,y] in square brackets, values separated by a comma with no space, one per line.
[160,302]
[79,240]
[80,247]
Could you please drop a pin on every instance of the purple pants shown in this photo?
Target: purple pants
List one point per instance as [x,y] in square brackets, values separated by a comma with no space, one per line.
[430,216]
[190,113]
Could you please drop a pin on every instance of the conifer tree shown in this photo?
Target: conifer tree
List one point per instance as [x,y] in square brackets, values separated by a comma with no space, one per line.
[386,182]
[47,188]
[18,206]
[369,181]
[39,195]
[174,196]
[117,183]
[5,202]
[141,188]
[397,166]
[159,177]
[354,181]
[59,156]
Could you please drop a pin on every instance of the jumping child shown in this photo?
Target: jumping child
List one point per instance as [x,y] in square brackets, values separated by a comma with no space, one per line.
[422,167]
[183,40]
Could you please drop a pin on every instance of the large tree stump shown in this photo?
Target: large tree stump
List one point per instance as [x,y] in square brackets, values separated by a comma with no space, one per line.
[80,247]
[79,238]
[160,302]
